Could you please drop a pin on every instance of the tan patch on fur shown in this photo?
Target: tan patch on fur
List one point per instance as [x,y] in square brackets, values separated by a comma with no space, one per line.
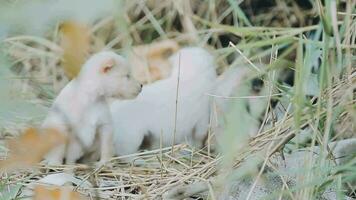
[150,62]
[155,73]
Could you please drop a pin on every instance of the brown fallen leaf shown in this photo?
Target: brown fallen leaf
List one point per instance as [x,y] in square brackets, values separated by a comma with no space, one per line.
[29,149]
[75,42]
[56,193]
[150,62]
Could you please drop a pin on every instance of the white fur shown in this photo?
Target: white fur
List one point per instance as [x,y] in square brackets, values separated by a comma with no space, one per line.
[233,83]
[81,111]
[226,86]
[153,111]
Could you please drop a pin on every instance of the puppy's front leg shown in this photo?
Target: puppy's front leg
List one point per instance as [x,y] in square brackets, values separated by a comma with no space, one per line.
[106,143]
[74,151]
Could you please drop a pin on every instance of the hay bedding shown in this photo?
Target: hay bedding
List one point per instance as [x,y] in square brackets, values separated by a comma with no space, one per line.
[182,172]
[153,172]
[148,176]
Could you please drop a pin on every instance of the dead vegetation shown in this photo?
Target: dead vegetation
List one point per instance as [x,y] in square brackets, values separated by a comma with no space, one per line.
[311,39]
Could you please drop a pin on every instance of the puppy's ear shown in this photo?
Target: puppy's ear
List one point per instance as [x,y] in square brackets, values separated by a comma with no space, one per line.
[107,65]
[155,72]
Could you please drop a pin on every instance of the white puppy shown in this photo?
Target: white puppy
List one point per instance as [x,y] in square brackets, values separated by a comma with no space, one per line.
[236,86]
[139,123]
[81,111]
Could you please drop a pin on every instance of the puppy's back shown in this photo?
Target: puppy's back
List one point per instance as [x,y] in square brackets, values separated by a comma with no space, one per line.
[193,61]
[153,111]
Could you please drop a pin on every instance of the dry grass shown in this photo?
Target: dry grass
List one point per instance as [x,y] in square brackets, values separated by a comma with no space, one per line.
[36,61]
[153,173]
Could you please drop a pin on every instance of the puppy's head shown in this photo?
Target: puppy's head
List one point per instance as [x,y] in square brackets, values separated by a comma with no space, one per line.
[110,74]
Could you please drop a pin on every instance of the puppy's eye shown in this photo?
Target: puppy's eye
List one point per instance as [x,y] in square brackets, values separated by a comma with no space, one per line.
[128,76]
[257,85]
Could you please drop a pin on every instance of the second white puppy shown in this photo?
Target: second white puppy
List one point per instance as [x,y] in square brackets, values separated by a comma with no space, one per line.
[233,83]
[139,123]
[81,111]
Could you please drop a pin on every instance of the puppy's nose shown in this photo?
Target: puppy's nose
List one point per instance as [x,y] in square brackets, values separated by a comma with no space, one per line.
[141,85]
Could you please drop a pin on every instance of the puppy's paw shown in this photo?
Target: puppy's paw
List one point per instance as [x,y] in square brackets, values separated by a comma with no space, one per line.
[53,161]
[103,164]
[55,156]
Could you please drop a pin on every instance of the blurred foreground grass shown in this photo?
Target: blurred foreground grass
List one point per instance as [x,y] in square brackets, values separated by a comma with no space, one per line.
[314,40]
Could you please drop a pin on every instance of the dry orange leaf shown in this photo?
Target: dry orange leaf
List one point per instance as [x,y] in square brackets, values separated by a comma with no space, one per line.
[56,193]
[150,62]
[75,42]
[30,148]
